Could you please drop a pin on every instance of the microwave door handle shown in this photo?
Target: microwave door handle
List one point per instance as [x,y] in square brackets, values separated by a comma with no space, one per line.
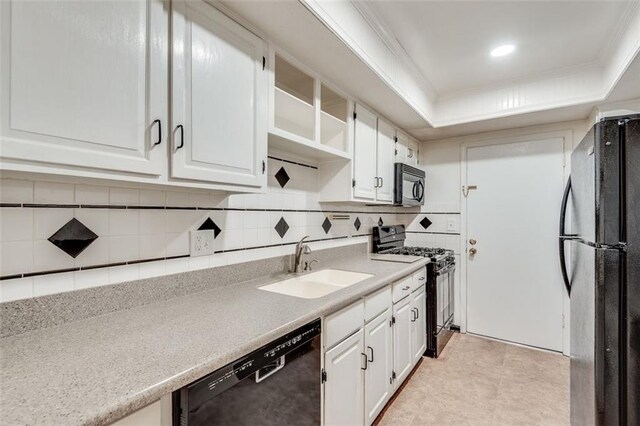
[420,191]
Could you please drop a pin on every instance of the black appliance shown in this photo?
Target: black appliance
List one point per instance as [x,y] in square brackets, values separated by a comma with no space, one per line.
[604,275]
[408,187]
[278,384]
[440,283]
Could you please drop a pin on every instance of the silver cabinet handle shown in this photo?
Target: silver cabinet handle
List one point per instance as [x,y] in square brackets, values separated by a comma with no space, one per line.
[366,361]
[381,182]
[414,317]
[421,279]
[371,350]
[406,288]
[159,141]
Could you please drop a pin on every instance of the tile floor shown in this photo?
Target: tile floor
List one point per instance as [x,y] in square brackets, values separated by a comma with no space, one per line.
[479,381]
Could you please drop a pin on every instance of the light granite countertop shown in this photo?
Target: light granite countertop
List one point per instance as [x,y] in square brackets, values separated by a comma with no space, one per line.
[99,369]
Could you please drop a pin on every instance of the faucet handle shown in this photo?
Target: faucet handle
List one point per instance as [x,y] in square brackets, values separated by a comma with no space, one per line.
[306,249]
[307,265]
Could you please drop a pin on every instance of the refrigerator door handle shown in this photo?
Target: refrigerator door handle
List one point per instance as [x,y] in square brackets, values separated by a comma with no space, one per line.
[564,237]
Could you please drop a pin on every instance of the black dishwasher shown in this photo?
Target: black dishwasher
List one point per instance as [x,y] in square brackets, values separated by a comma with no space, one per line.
[278,384]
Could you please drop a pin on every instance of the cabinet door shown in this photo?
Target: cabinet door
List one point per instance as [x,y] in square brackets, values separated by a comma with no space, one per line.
[412,153]
[343,390]
[419,324]
[378,342]
[219,98]
[402,144]
[386,155]
[83,83]
[402,351]
[364,155]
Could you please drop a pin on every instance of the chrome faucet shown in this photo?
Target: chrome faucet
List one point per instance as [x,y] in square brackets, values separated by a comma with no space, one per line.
[301,248]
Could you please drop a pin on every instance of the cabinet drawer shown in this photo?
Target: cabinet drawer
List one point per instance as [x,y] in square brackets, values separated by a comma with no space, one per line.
[402,288]
[341,324]
[419,279]
[376,303]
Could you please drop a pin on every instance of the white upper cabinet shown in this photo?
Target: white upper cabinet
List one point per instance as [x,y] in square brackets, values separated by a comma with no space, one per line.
[219,86]
[406,149]
[84,84]
[385,157]
[365,154]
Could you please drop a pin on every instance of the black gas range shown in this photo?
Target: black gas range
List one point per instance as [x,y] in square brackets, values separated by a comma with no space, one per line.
[440,282]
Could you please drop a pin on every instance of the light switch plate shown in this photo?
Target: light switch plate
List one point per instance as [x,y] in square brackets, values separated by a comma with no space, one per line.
[451,224]
[201,242]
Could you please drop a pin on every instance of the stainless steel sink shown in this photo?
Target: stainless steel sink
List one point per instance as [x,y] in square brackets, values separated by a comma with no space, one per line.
[316,284]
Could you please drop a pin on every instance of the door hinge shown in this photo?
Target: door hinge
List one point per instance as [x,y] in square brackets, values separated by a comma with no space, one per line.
[395,139]
[264,62]
[390,380]
[323,375]
[354,115]
[393,375]
[562,320]
[353,183]
[264,166]
[396,152]
[393,320]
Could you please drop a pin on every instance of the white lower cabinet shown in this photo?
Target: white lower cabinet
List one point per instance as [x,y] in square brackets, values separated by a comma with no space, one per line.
[343,390]
[371,347]
[402,351]
[378,342]
[418,324]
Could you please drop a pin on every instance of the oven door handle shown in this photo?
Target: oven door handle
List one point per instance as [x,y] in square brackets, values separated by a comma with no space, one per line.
[445,270]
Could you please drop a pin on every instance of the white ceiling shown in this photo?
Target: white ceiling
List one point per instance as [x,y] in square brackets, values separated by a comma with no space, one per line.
[571,57]
[450,41]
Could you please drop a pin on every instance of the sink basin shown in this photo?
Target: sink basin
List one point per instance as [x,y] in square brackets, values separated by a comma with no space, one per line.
[316,284]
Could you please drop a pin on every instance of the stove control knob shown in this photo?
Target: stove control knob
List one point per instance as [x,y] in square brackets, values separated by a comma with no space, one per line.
[473,251]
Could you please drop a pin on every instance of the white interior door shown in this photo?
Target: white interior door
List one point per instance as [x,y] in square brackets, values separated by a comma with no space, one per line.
[219,98]
[385,157]
[514,290]
[364,156]
[85,83]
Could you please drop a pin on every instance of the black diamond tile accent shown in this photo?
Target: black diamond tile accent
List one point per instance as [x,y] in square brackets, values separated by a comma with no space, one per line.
[282,227]
[210,225]
[357,224]
[425,222]
[282,177]
[73,237]
[380,222]
[326,225]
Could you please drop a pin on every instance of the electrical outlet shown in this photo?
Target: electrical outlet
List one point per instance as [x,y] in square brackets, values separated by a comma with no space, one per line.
[201,242]
[451,224]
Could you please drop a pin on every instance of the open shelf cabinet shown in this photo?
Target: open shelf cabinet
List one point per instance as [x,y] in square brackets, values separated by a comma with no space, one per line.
[308,117]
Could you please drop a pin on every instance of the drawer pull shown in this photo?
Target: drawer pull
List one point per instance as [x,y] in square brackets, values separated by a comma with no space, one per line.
[406,288]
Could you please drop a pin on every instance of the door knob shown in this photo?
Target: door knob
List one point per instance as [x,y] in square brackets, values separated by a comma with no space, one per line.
[473,251]
[472,242]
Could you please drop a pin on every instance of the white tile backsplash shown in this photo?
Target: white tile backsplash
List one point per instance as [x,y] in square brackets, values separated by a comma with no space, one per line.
[16,191]
[53,193]
[131,234]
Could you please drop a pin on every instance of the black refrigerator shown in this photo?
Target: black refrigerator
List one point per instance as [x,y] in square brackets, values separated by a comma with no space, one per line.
[602,273]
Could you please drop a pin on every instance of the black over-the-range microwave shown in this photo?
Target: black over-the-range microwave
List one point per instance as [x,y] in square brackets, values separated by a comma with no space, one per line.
[409,185]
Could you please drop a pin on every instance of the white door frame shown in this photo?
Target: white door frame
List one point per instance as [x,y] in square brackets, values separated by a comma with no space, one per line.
[488,140]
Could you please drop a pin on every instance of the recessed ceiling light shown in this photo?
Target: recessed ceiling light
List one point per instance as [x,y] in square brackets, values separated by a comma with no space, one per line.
[503,50]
